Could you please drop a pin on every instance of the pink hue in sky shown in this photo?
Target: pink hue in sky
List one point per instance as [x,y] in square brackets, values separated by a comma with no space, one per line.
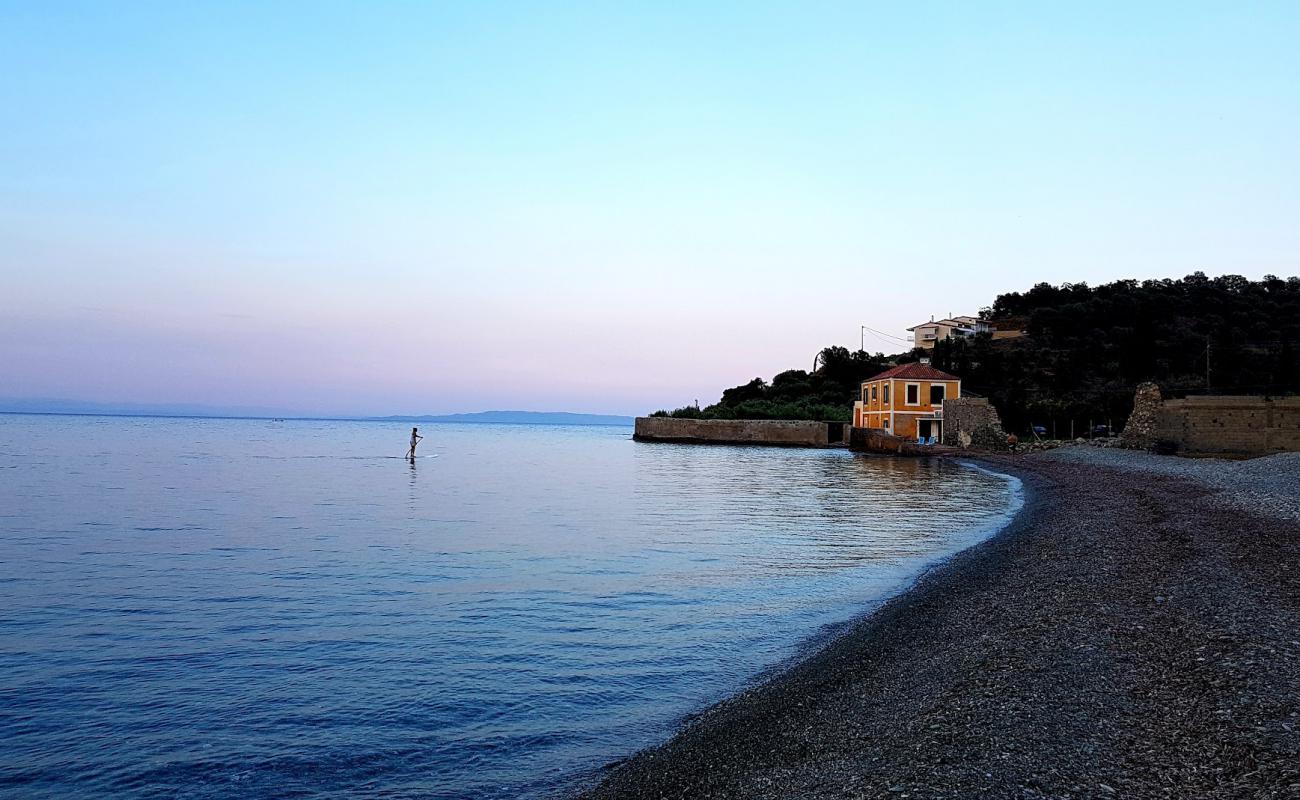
[424,208]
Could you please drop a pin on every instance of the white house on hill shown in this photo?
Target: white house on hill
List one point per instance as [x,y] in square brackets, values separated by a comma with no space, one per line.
[927,333]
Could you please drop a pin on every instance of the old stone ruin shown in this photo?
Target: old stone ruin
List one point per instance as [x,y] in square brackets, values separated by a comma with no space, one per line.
[1231,425]
[972,422]
[1140,430]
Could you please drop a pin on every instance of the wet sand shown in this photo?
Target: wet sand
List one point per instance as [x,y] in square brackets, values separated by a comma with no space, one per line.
[1131,634]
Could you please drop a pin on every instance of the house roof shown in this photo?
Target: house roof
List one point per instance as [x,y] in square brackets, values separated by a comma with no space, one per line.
[914,371]
[950,322]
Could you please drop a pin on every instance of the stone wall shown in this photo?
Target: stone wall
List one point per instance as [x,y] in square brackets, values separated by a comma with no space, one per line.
[879,440]
[1230,425]
[783,433]
[972,421]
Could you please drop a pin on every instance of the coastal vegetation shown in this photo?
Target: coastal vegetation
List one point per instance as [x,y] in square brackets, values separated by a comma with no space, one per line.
[1084,351]
[824,394]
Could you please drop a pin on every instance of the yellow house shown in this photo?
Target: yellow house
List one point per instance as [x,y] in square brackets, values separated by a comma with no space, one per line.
[907,401]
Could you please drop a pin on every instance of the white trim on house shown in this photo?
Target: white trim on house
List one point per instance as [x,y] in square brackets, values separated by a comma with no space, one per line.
[934,421]
[907,386]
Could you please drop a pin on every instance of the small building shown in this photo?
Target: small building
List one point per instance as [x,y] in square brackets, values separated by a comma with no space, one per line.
[927,333]
[907,401]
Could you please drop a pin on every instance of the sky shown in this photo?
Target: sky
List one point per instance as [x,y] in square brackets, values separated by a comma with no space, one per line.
[392,208]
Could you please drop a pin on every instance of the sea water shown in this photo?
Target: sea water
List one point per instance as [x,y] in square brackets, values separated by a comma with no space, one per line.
[247,608]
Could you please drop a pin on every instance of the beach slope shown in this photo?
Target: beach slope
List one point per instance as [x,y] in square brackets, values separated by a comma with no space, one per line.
[1133,633]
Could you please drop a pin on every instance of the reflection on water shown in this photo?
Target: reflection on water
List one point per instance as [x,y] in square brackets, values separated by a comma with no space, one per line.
[216,608]
[805,511]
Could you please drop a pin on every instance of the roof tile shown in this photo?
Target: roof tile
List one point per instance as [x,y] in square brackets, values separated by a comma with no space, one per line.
[914,371]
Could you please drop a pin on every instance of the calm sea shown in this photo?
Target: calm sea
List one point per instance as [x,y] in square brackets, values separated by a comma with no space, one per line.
[238,608]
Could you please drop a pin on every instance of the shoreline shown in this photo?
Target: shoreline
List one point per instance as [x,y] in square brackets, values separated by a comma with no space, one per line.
[1128,633]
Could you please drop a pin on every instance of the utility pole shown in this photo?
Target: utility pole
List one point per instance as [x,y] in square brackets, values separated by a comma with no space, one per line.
[1207,363]
[862,338]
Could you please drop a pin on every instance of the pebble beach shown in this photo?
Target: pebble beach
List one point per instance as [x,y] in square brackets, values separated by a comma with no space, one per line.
[1135,632]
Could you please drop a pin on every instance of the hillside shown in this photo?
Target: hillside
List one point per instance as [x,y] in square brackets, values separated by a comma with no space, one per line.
[1088,347]
[1086,350]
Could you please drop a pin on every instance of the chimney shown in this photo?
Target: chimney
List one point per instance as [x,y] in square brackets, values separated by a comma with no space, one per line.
[925,361]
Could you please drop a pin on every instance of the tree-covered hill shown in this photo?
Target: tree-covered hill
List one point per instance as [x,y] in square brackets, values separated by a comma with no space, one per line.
[826,393]
[1088,347]
[1086,350]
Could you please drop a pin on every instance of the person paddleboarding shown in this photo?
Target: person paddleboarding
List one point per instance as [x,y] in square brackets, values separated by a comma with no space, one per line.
[415,439]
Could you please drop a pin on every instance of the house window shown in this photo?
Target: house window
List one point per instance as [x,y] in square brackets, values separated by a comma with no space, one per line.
[913,394]
[936,394]
[885,394]
[864,394]
[873,393]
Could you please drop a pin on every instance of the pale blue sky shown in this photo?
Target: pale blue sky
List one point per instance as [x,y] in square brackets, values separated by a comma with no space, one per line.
[409,207]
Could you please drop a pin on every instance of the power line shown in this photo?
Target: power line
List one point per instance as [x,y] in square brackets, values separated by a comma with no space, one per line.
[880,335]
[886,335]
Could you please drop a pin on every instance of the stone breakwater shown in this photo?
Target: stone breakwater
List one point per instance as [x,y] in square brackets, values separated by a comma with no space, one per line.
[780,433]
[1132,634]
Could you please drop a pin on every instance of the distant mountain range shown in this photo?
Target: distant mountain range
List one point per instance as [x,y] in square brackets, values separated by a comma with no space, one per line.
[56,406]
[518,418]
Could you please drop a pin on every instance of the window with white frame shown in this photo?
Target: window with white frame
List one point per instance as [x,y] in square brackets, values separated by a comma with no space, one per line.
[913,396]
